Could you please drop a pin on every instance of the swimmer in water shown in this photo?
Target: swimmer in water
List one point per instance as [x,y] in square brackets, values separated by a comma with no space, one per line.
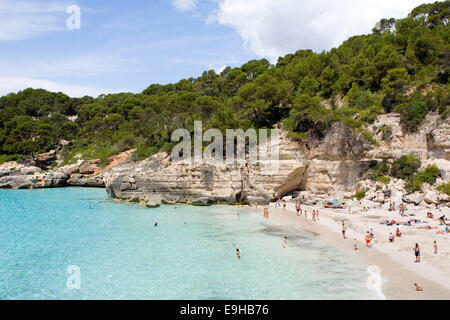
[156,224]
[185,224]
[284,242]
[238,254]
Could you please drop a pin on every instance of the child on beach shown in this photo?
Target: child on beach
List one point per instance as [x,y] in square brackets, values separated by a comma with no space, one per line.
[355,244]
[368,240]
[417,252]
[435,247]
[391,237]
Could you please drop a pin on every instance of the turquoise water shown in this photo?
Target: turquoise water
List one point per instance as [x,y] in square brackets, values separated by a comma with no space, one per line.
[121,255]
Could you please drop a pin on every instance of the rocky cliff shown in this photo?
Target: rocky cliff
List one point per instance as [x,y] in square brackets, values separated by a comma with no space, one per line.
[331,167]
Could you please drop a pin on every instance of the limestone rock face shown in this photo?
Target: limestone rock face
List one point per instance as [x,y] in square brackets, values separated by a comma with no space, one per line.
[318,169]
[89,167]
[327,168]
[80,180]
[43,160]
[416,198]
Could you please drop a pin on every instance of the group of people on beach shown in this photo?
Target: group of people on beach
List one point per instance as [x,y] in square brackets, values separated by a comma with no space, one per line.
[369,237]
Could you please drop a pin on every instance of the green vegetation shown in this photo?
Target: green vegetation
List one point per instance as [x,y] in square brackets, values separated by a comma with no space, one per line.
[402,66]
[429,175]
[379,170]
[385,180]
[405,167]
[360,194]
[444,188]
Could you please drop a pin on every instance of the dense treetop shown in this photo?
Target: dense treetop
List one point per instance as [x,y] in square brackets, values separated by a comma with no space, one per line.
[402,66]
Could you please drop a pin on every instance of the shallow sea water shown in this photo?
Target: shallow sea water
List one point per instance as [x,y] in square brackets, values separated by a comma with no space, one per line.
[122,255]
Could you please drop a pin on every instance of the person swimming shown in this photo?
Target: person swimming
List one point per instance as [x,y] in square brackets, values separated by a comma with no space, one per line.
[156,224]
[238,254]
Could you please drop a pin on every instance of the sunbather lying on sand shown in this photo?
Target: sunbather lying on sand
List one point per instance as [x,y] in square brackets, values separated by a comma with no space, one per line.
[418,287]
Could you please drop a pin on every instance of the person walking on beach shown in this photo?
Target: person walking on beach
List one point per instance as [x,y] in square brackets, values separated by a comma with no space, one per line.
[297,208]
[344,228]
[435,247]
[355,244]
[317,215]
[417,252]
[368,240]
[238,254]
[306,216]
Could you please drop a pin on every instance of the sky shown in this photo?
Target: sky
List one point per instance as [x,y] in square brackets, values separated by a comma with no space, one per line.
[120,46]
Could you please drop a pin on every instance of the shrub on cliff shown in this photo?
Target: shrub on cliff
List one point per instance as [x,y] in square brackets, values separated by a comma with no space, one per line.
[405,167]
[428,175]
[360,194]
[444,188]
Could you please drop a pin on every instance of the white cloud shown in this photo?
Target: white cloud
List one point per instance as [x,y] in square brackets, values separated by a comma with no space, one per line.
[23,19]
[184,5]
[273,28]
[10,84]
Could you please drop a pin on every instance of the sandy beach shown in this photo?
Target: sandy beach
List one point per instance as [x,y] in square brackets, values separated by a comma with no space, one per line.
[395,260]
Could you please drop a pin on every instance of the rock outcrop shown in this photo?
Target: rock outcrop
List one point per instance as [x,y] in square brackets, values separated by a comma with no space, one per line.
[331,167]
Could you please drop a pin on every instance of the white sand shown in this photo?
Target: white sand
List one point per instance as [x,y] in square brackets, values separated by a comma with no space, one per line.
[396,259]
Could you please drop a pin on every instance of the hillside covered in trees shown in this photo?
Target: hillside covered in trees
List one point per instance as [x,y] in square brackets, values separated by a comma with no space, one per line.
[402,66]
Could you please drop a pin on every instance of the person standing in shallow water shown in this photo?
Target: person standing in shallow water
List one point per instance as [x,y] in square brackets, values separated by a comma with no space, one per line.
[238,254]
[284,242]
[343,230]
